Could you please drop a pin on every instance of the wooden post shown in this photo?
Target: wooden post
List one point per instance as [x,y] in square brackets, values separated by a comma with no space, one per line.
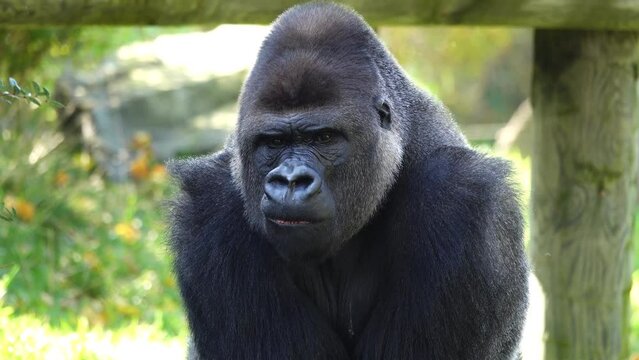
[584,180]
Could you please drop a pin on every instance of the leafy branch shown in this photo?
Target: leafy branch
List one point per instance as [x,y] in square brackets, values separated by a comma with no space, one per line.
[6,214]
[36,94]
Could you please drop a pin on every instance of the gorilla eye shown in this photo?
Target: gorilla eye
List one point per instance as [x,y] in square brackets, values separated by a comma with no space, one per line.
[324,138]
[384,115]
[275,142]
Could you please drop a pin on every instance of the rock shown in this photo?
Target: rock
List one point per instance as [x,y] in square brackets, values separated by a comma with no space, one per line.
[180,89]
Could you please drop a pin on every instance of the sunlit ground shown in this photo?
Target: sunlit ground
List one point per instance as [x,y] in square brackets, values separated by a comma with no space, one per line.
[25,337]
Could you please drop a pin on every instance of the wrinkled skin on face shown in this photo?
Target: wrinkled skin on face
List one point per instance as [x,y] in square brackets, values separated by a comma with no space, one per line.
[313,175]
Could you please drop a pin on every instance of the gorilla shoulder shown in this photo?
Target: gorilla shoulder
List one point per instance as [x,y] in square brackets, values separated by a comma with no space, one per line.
[195,175]
[209,205]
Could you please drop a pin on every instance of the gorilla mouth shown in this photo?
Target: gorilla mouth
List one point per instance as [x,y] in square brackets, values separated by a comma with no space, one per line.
[286,222]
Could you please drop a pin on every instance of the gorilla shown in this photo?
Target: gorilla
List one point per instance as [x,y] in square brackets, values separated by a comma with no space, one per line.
[347,217]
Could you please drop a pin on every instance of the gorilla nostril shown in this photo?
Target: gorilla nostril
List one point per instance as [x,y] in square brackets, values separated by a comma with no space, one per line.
[276,186]
[303,181]
[279,180]
[312,185]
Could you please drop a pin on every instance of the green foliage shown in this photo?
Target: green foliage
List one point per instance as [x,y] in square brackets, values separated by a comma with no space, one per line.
[36,94]
[7,214]
[43,53]
[482,74]
[85,257]
[634,293]
[85,247]
[25,49]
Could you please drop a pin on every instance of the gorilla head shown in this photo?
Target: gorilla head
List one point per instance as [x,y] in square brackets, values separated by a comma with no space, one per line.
[318,142]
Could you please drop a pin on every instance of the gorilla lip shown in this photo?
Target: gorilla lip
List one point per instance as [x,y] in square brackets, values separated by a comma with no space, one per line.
[290,222]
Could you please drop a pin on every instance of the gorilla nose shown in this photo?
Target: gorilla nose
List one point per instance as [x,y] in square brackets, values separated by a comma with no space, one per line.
[292,182]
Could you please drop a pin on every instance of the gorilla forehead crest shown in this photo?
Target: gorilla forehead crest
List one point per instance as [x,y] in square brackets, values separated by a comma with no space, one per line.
[309,60]
[298,80]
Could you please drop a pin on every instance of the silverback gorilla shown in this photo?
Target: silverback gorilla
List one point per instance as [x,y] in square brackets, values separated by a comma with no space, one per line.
[347,217]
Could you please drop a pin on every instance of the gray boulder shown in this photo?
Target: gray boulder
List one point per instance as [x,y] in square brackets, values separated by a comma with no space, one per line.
[172,88]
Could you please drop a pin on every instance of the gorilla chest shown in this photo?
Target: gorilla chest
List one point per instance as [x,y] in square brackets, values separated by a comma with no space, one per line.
[344,294]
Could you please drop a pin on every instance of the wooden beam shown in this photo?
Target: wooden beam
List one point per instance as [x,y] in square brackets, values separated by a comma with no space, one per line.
[593,14]
[584,180]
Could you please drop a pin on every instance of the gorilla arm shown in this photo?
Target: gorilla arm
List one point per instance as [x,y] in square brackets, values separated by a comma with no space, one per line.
[241,302]
[459,279]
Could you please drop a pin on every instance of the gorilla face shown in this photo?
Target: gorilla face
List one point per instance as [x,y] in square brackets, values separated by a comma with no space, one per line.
[297,155]
[309,175]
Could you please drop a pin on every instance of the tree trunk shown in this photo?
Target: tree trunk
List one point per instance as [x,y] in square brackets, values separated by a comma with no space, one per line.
[584,181]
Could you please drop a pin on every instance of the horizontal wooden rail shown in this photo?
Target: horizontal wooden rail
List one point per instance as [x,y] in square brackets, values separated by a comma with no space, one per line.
[590,14]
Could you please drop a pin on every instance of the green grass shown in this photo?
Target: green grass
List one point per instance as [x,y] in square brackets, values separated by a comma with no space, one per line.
[29,337]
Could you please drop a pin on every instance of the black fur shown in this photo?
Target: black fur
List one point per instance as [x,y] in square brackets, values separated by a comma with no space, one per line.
[426,258]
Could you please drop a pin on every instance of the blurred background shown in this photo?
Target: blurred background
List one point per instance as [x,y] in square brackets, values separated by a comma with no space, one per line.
[84,268]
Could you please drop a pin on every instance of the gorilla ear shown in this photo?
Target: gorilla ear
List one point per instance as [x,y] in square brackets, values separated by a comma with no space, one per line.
[384,114]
